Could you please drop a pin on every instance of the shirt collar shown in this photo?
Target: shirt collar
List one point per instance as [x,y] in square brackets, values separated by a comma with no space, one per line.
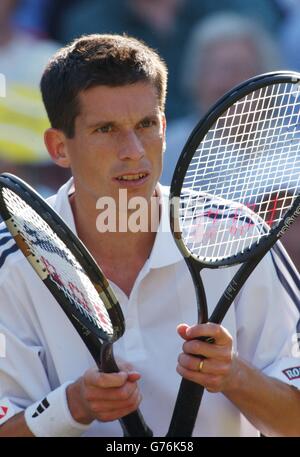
[164,251]
[61,204]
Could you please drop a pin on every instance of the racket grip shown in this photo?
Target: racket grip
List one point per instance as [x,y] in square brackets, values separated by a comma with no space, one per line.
[206,339]
[134,425]
[186,409]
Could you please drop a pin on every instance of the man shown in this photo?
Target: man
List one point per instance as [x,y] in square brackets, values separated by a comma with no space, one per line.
[105,97]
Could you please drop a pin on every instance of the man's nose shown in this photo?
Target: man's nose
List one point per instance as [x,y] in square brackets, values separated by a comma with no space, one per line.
[131,147]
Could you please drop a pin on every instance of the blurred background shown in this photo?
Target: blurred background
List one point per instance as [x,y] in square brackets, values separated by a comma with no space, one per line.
[208,45]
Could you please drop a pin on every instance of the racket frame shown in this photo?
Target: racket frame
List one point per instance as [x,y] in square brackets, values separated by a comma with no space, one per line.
[187,154]
[78,250]
[133,424]
[190,393]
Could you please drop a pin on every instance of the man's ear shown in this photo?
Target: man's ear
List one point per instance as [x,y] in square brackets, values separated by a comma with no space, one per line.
[55,141]
[164,123]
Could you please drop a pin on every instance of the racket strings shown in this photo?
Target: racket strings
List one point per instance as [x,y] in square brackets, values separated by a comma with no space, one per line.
[244,175]
[58,261]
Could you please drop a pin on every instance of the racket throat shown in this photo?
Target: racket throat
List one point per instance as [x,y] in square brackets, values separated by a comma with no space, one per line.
[107,361]
[195,271]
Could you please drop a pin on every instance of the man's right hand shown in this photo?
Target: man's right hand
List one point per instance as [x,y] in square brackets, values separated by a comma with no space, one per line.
[103,396]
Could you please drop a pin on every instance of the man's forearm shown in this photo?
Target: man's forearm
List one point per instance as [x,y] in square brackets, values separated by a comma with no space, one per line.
[15,427]
[272,406]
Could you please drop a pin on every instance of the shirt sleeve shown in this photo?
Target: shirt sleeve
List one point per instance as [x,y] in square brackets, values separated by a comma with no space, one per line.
[267,311]
[23,374]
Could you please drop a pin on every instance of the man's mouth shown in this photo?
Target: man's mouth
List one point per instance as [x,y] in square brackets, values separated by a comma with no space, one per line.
[132,177]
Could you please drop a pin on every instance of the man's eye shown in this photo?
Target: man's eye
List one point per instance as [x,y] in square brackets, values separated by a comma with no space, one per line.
[105,128]
[147,123]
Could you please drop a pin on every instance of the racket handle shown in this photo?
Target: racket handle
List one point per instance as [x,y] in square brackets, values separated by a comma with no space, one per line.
[186,409]
[190,394]
[187,404]
[133,424]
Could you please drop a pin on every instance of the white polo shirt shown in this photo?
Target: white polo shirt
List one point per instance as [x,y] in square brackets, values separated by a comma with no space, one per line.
[43,350]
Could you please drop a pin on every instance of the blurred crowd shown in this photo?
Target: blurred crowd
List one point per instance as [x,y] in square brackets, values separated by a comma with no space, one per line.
[209,46]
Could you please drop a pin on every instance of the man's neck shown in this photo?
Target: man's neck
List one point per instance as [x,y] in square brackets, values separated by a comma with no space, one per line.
[120,255]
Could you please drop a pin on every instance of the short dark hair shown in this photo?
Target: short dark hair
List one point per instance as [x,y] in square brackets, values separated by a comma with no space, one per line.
[92,60]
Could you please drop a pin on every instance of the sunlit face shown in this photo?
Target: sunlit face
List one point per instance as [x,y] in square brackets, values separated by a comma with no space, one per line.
[227,63]
[118,142]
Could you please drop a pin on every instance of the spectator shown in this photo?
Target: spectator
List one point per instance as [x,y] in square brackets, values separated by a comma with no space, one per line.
[31,16]
[22,115]
[224,50]
[165,25]
[289,34]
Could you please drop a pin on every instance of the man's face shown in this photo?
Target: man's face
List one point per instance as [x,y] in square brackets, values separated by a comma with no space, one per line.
[118,142]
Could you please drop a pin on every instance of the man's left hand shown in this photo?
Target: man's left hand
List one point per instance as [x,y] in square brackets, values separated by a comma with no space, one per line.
[212,365]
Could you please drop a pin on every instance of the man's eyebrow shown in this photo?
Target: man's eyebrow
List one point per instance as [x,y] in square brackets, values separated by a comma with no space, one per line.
[91,125]
[99,123]
[153,115]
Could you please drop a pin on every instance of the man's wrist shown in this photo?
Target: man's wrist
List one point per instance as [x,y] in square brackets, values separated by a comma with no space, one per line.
[235,380]
[51,417]
[78,410]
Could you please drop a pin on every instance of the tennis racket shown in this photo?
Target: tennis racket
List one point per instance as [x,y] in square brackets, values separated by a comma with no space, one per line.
[234,193]
[71,275]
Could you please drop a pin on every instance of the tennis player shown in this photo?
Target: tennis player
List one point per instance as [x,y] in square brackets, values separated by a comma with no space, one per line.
[105,98]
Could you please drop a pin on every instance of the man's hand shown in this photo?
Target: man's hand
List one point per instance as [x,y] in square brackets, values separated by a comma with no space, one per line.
[218,367]
[103,396]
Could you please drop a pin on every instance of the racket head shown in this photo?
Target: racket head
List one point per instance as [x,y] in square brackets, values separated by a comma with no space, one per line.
[61,260]
[254,127]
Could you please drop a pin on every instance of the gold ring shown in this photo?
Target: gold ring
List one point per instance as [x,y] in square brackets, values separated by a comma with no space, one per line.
[200,367]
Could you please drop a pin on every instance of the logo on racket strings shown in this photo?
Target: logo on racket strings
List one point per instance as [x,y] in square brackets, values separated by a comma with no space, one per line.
[85,298]
[47,244]
[92,306]
[203,219]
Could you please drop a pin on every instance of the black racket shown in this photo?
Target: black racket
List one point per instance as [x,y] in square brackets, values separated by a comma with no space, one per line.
[234,193]
[71,274]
